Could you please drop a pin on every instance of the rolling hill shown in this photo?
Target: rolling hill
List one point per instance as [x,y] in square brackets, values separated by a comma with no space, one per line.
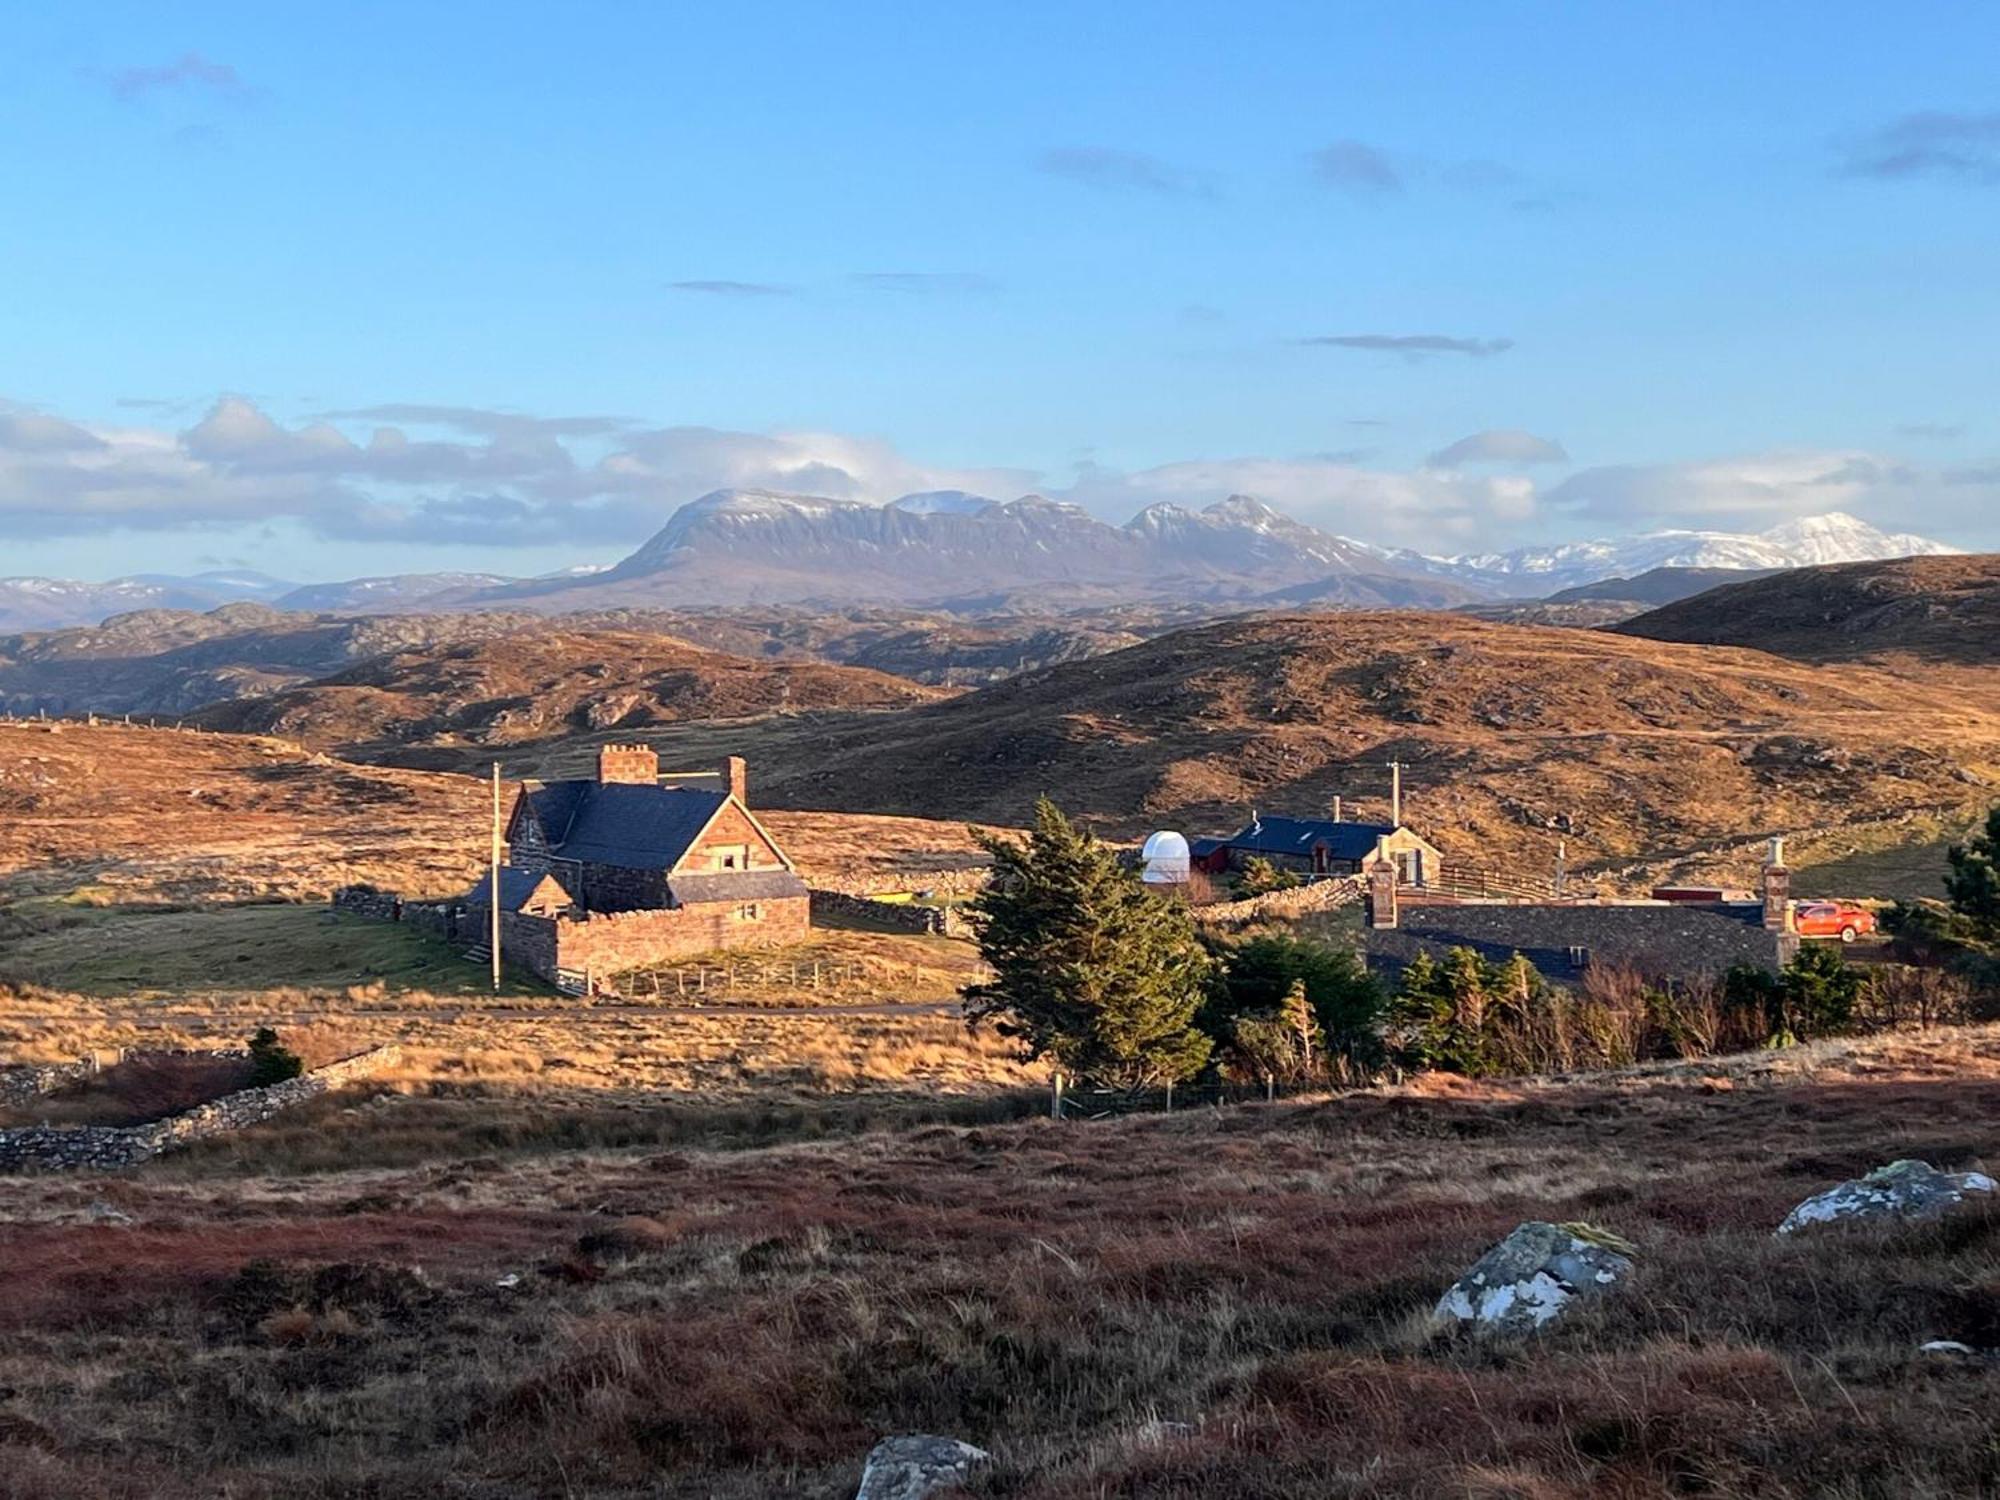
[531,685]
[1513,738]
[169,663]
[1942,611]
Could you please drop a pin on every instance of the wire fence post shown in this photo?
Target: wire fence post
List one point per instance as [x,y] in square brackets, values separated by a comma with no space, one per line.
[1056,1097]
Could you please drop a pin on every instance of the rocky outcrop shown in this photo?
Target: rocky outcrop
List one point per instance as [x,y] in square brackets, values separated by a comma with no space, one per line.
[1902,1190]
[916,1466]
[1532,1276]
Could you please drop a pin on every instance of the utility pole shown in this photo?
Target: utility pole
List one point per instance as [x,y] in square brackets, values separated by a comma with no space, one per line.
[493,892]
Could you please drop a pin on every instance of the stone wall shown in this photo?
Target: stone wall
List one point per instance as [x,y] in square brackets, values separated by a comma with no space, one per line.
[366,901]
[905,916]
[602,943]
[1320,895]
[106,1147]
[966,882]
[18,1085]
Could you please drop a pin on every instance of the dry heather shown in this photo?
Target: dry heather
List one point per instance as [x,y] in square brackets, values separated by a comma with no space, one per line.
[533,685]
[746,1322]
[1514,738]
[1910,611]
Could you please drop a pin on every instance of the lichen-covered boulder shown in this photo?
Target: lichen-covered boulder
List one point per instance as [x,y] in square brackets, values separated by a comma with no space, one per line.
[1901,1190]
[1532,1275]
[916,1466]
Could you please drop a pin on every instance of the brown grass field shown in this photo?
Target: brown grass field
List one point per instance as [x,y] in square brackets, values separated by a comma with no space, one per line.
[640,1248]
[742,1320]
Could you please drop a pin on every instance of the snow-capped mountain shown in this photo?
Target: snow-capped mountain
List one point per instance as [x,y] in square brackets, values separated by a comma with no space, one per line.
[1806,542]
[762,546]
[53,603]
[943,503]
[396,591]
[953,548]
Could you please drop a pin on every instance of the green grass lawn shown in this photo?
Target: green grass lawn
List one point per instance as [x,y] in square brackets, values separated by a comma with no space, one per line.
[244,948]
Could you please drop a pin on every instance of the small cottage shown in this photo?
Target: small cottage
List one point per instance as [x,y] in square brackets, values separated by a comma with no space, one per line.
[1321,846]
[626,869]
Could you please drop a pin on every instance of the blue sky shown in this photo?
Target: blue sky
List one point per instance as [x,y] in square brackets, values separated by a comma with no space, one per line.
[1678,264]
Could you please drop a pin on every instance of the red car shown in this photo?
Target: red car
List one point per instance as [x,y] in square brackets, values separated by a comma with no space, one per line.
[1833,919]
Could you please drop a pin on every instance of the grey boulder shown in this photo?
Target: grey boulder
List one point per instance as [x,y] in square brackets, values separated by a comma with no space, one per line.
[1533,1275]
[1901,1190]
[916,1466]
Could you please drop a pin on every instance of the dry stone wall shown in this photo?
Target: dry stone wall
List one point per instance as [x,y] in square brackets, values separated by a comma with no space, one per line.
[19,1085]
[1320,895]
[903,915]
[107,1147]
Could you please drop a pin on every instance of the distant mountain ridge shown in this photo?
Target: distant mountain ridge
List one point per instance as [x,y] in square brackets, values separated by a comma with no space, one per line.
[765,546]
[956,550]
[1808,541]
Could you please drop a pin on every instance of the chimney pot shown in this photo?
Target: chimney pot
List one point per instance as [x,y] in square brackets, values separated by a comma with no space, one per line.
[628,764]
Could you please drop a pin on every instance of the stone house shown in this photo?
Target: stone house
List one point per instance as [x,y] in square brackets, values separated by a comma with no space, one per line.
[1321,846]
[622,870]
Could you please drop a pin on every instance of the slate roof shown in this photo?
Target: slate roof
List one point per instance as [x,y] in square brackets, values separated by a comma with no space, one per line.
[516,886]
[1298,836]
[736,885]
[1675,939]
[627,824]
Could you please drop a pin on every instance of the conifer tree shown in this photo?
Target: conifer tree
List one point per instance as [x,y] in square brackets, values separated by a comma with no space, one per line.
[1974,882]
[1090,969]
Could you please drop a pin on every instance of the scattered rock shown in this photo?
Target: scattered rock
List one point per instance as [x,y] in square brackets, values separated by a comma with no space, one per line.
[101,1212]
[915,1466]
[1533,1274]
[1946,1346]
[1901,1190]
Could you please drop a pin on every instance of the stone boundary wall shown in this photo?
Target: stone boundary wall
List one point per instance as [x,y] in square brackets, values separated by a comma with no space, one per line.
[1320,895]
[22,1083]
[109,1147]
[966,882]
[364,901]
[903,915]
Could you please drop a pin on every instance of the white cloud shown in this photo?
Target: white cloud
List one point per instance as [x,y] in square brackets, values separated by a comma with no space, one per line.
[471,478]
[1432,510]
[1506,445]
[1751,490]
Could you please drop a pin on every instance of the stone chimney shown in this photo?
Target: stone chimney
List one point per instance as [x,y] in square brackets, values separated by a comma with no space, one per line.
[736,779]
[1382,893]
[1777,890]
[633,764]
[1336,809]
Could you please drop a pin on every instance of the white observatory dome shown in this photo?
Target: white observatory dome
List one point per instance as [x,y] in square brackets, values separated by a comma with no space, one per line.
[1166,857]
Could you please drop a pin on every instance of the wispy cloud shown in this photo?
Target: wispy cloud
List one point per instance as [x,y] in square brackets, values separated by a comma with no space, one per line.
[1111,170]
[1500,445]
[945,282]
[1356,167]
[1934,143]
[188,71]
[733,288]
[1410,345]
